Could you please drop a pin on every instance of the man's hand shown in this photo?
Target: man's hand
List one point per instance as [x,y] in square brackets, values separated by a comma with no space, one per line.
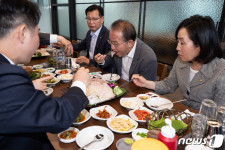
[82,75]
[64,42]
[83,59]
[99,58]
[39,84]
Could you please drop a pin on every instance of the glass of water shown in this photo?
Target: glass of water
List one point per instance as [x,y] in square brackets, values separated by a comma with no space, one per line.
[220,116]
[198,126]
[208,108]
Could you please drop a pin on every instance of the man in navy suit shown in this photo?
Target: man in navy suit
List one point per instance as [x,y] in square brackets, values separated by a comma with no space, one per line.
[96,38]
[26,114]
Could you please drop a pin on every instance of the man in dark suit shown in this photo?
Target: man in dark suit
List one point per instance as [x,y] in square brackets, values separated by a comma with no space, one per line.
[26,114]
[96,38]
[46,39]
[132,56]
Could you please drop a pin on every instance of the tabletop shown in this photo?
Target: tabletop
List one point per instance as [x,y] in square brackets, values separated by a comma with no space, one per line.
[132,91]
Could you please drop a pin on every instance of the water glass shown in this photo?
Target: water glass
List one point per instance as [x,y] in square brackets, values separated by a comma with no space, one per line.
[220,116]
[198,126]
[68,62]
[208,108]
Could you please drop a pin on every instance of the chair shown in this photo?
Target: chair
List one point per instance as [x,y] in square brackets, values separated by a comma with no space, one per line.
[75,53]
[161,71]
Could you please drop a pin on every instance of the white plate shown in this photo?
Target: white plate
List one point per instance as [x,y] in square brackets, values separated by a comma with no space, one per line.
[50,69]
[151,94]
[143,95]
[65,77]
[48,91]
[131,102]
[134,123]
[140,130]
[53,84]
[87,134]
[159,101]
[115,77]
[87,117]
[94,111]
[68,140]
[58,71]
[133,116]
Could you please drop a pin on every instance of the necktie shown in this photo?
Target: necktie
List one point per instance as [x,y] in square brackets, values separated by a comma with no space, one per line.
[92,46]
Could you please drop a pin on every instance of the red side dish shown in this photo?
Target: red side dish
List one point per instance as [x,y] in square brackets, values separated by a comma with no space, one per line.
[141,114]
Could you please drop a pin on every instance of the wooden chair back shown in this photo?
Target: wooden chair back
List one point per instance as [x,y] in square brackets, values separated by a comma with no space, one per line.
[161,71]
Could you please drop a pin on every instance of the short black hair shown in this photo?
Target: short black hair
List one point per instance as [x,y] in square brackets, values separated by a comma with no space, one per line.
[95,7]
[202,31]
[16,12]
[128,30]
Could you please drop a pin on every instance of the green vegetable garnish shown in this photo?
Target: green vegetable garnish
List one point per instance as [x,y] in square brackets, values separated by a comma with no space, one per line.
[142,134]
[176,124]
[79,118]
[118,91]
[38,54]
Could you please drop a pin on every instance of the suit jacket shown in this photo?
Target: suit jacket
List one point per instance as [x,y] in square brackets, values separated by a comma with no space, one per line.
[102,46]
[44,38]
[26,114]
[208,82]
[144,62]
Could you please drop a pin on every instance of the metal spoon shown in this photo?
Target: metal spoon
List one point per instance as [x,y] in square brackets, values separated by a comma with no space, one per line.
[157,106]
[97,138]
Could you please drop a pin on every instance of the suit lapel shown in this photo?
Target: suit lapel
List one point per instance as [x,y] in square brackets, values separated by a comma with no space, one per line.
[135,59]
[88,39]
[100,37]
[197,80]
[3,59]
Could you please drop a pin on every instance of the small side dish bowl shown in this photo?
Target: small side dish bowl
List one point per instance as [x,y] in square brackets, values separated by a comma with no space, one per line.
[95,112]
[69,135]
[38,66]
[143,97]
[139,133]
[65,78]
[50,69]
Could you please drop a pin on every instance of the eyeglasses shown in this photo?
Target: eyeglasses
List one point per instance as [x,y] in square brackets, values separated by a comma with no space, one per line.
[115,44]
[93,19]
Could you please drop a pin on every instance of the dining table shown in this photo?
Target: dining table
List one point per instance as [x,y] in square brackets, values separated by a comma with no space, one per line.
[132,91]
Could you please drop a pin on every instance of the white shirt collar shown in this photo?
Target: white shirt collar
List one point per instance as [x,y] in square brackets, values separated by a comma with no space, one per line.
[131,53]
[10,61]
[96,33]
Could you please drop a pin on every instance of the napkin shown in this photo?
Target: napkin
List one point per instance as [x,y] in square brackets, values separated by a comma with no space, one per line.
[74,64]
[184,115]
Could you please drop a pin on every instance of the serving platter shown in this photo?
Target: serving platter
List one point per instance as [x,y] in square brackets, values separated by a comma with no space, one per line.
[44,53]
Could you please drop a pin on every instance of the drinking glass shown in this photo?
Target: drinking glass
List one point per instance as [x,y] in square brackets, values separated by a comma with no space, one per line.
[208,108]
[198,126]
[220,116]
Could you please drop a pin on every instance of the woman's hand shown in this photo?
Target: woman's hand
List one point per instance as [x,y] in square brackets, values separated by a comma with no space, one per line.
[142,82]
[139,80]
